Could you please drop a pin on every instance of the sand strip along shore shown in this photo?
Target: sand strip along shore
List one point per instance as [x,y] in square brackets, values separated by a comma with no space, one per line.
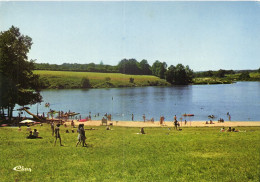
[169,123]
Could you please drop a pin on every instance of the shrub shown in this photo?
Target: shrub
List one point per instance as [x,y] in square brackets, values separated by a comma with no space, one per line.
[85,83]
[107,79]
[244,76]
[131,80]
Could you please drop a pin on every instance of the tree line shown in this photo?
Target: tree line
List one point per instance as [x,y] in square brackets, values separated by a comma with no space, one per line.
[91,67]
[178,74]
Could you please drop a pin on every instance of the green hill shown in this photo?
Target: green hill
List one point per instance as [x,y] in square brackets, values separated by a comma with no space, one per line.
[68,79]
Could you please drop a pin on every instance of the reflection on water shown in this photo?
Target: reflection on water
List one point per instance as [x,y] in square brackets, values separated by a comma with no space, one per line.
[241,100]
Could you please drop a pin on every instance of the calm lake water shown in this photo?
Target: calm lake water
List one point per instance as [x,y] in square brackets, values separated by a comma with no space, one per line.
[241,100]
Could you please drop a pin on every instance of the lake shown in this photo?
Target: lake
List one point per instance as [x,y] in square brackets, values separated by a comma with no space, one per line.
[241,100]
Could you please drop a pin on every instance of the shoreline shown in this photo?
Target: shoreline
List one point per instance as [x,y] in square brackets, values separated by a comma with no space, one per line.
[166,123]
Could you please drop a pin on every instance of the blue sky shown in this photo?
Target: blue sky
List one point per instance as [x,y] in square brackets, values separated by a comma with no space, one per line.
[203,35]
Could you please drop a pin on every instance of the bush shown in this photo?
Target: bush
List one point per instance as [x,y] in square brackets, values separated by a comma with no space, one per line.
[131,80]
[85,83]
[107,79]
[244,76]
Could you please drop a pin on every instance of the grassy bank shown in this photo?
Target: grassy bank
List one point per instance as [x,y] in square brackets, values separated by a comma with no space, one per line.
[228,79]
[194,154]
[67,79]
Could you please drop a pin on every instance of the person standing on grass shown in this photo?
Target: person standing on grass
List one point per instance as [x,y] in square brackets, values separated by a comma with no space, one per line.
[57,134]
[52,128]
[81,135]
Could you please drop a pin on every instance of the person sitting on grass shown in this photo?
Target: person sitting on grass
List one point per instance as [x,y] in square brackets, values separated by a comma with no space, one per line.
[229,129]
[222,129]
[234,130]
[142,131]
[36,134]
[31,136]
[57,134]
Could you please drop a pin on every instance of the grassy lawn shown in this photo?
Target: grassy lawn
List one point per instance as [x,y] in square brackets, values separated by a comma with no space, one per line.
[194,154]
[68,79]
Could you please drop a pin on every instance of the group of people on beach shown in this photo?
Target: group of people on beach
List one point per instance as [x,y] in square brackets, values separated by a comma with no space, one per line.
[210,122]
[221,120]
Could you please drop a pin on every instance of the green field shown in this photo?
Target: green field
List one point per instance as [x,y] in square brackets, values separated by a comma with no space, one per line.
[193,154]
[68,79]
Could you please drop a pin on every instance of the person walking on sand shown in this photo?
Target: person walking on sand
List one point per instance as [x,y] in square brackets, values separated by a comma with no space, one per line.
[132,117]
[57,134]
[144,117]
[160,119]
[176,124]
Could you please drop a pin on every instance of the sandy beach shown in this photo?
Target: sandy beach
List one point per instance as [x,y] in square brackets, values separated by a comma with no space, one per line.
[168,123]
